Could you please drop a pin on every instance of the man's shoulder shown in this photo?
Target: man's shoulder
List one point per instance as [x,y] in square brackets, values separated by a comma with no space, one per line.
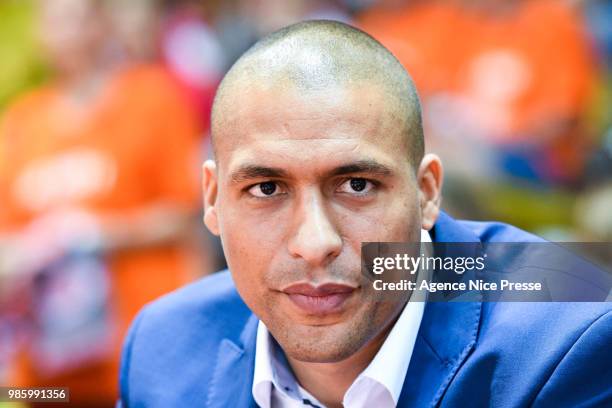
[541,354]
[199,315]
[539,322]
[525,318]
[210,302]
[176,339]
[495,231]
[447,230]
[553,344]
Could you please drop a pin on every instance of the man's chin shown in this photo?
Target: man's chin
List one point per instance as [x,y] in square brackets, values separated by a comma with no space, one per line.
[319,356]
[320,344]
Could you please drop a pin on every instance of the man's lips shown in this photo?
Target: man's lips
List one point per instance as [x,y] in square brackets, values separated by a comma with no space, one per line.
[319,300]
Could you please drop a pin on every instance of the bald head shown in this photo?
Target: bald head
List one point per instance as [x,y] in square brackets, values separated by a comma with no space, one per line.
[317,57]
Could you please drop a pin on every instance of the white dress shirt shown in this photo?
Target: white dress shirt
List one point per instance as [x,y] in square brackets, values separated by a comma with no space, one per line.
[379,385]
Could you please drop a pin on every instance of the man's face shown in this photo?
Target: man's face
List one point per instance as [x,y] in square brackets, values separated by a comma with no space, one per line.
[304,179]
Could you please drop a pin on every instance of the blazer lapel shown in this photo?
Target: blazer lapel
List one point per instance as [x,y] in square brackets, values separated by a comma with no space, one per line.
[446,336]
[232,379]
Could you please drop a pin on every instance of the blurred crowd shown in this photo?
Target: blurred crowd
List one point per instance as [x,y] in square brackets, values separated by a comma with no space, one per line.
[104,116]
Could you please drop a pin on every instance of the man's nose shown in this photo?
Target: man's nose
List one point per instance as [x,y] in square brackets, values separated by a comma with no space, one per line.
[315,239]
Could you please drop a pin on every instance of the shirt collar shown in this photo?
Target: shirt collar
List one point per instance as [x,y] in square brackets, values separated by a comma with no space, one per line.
[388,368]
[271,370]
[263,377]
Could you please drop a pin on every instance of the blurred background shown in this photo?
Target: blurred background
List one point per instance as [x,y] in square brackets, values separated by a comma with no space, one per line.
[104,115]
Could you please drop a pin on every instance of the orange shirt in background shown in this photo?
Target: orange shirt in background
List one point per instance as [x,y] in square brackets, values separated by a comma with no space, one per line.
[137,143]
[513,70]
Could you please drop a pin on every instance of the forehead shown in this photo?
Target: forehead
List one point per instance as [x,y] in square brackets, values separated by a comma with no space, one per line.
[283,124]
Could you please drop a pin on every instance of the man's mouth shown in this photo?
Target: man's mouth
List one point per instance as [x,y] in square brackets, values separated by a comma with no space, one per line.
[319,300]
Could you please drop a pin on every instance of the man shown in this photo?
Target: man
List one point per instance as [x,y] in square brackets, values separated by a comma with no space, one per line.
[318,148]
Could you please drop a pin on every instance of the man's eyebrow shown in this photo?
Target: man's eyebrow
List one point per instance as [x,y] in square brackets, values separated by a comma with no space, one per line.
[362,166]
[250,172]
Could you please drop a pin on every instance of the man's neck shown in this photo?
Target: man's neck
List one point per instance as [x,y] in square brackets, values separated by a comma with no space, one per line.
[328,382]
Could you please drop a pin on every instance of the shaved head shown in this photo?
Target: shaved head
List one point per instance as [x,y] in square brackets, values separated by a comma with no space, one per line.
[323,56]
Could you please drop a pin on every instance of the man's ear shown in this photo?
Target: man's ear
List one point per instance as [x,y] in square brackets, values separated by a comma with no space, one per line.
[429,179]
[210,188]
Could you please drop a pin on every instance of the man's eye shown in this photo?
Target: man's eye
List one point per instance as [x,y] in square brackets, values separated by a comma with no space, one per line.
[356,186]
[266,189]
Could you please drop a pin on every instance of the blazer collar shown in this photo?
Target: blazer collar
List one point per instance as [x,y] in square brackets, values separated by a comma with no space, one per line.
[232,379]
[446,337]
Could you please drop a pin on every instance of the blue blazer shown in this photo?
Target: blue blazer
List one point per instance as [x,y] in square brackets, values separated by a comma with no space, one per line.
[196,346]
